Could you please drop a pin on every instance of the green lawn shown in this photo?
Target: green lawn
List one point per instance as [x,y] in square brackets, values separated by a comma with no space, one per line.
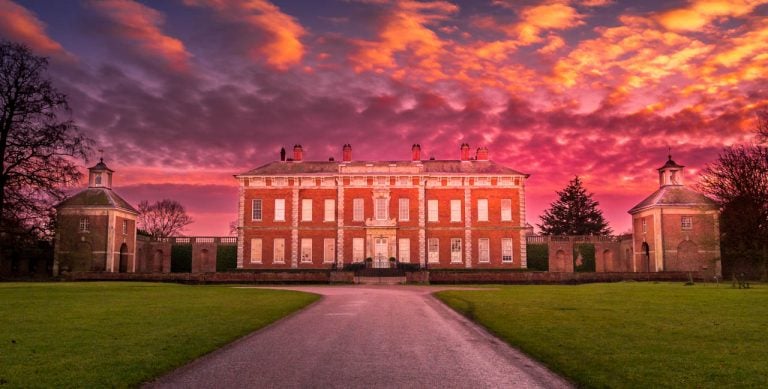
[632,334]
[121,334]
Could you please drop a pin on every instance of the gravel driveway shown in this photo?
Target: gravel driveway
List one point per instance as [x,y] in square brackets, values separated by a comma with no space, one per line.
[366,336]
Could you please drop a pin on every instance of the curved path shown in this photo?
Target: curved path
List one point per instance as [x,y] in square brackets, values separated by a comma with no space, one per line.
[366,336]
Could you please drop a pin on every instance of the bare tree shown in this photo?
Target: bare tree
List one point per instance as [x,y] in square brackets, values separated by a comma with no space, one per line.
[38,150]
[163,218]
[738,181]
[762,125]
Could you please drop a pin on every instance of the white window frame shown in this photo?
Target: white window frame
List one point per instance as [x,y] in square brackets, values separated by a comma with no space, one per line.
[278,256]
[84,224]
[329,255]
[456,250]
[506,210]
[455,211]
[306,210]
[125,226]
[482,210]
[381,208]
[256,250]
[686,223]
[382,181]
[358,210]
[404,250]
[279,210]
[254,207]
[404,209]
[306,250]
[358,249]
[433,250]
[330,210]
[484,250]
[432,210]
[507,250]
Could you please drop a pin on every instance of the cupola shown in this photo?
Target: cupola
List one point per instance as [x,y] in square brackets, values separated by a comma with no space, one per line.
[100,176]
[671,173]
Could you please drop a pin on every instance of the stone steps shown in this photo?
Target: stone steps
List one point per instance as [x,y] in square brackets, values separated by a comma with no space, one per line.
[380,280]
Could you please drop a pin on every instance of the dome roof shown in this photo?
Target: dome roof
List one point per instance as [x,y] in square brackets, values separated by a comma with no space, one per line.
[100,166]
[671,164]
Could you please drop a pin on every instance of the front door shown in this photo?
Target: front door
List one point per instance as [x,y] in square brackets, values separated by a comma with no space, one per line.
[380,253]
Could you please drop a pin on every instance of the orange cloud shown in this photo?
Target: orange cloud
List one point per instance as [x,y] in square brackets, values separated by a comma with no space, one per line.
[405,29]
[548,16]
[283,48]
[140,24]
[20,25]
[699,13]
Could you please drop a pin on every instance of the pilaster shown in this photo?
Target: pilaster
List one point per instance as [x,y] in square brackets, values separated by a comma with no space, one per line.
[422,222]
[111,242]
[295,224]
[240,217]
[467,224]
[523,243]
[340,222]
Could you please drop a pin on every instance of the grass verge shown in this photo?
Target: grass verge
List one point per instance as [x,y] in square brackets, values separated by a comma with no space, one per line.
[631,334]
[122,334]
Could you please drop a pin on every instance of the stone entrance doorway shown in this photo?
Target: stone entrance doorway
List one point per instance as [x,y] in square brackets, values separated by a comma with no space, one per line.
[381,253]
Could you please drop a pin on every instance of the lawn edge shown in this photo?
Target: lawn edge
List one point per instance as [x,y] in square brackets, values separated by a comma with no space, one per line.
[542,371]
[158,379]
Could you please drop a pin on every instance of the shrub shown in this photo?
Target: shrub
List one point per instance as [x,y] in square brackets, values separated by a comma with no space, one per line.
[538,257]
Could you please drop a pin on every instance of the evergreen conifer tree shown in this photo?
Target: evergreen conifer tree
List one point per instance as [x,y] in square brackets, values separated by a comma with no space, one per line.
[574,213]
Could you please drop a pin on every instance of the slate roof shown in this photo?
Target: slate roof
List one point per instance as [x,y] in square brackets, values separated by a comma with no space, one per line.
[672,195]
[97,197]
[429,166]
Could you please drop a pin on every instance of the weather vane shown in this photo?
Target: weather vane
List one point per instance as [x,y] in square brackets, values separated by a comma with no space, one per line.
[101,155]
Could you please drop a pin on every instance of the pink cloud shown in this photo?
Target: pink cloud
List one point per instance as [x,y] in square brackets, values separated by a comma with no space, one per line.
[140,25]
[282,47]
[20,25]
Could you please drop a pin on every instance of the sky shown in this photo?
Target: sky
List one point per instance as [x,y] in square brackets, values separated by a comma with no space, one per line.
[182,94]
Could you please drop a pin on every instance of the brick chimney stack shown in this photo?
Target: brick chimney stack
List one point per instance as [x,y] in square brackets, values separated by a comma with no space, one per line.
[482,154]
[346,153]
[416,152]
[465,152]
[298,153]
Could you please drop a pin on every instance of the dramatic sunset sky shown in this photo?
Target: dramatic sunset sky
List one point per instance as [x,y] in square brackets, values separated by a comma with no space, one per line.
[182,94]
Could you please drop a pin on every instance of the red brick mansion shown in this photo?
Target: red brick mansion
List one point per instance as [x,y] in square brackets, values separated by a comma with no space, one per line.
[464,213]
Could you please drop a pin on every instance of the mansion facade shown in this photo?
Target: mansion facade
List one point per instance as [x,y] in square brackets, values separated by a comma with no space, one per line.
[465,213]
